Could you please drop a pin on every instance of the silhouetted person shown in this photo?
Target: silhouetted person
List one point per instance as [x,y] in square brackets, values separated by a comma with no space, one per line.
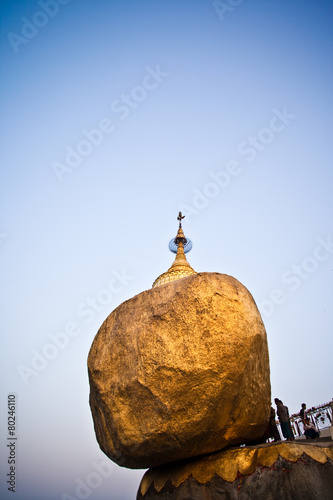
[283,415]
[303,412]
[274,431]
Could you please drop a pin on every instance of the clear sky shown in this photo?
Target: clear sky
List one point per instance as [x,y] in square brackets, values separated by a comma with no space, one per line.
[115,116]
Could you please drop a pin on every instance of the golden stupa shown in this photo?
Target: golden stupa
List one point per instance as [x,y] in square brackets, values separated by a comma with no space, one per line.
[180,267]
[183,360]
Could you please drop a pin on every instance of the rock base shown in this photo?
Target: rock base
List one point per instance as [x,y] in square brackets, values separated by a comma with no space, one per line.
[273,471]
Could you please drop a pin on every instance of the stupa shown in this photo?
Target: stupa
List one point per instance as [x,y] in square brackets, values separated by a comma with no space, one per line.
[180,267]
[181,369]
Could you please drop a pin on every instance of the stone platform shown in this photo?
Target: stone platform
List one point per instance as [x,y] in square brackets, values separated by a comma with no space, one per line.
[271,471]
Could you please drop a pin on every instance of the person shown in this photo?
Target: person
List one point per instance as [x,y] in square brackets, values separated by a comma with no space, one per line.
[274,431]
[303,412]
[283,415]
[309,429]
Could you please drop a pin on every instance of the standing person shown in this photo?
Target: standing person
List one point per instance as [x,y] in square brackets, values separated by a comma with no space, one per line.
[303,412]
[283,415]
[291,428]
[274,431]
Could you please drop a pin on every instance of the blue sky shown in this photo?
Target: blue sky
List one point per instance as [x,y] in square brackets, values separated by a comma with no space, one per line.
[115,116]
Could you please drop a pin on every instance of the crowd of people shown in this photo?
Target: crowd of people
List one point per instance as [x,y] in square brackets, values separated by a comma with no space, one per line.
[283,415]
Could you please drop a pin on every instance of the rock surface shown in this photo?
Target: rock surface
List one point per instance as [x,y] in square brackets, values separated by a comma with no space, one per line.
[178,371]
[285,471]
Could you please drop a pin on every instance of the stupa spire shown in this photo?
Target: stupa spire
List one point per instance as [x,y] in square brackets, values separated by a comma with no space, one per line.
[180,268]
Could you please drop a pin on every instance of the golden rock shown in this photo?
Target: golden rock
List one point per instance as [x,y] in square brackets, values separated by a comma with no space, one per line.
[180,370]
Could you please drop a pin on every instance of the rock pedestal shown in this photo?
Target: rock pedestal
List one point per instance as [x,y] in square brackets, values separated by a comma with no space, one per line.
[178,371]
[285,471]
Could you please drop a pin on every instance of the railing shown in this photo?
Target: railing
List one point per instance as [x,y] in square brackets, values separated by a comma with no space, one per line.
[321,417]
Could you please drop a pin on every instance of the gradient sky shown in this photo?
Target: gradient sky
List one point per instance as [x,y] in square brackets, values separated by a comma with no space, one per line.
[225,116]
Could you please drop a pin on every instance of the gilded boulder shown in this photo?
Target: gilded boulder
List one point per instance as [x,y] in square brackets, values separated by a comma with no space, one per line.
[180,370]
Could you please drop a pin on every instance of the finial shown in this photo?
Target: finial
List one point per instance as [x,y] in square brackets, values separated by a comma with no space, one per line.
[180,217]
[180,239]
